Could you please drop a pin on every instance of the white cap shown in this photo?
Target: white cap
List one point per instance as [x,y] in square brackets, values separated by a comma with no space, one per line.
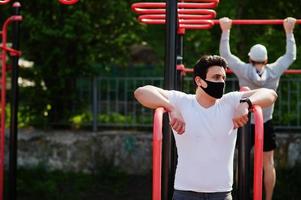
[258,53]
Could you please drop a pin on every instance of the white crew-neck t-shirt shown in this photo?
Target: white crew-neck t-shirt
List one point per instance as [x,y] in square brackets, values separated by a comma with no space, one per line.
[206,148]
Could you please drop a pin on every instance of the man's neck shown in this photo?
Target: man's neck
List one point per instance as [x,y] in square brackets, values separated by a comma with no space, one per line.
[260,70]
[204,99]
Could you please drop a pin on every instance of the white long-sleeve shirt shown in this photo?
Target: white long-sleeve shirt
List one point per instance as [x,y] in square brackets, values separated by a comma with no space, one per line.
[247,75]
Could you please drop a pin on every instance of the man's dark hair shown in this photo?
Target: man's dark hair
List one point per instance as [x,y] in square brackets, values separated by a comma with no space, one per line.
[205,62]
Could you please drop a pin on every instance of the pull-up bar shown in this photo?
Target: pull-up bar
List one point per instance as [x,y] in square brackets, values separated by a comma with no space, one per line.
[182,68]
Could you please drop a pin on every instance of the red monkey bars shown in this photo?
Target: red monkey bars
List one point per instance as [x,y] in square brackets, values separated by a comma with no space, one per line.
[191,15]
[201,12]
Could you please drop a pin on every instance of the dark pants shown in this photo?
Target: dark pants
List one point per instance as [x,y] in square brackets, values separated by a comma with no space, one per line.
[189,195]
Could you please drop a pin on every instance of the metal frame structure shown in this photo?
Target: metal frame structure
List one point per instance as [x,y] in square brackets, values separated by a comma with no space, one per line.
[15,54]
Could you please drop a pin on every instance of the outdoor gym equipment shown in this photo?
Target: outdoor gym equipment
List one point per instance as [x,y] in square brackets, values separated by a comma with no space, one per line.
[4,1]
[179,17]
[67,2]
[15,54]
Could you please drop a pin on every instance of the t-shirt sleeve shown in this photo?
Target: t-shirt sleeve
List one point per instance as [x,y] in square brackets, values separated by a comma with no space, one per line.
[233,98]
[175,97]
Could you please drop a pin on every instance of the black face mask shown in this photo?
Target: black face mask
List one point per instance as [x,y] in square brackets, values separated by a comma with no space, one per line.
[214,89]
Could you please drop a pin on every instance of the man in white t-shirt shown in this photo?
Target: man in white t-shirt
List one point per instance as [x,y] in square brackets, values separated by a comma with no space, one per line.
[205,126]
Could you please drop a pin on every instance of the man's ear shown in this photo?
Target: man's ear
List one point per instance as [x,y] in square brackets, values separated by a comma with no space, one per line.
[266,61]
[200,82]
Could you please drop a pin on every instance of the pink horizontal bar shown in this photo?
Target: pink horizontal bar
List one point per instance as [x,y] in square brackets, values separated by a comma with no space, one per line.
[198,19]
[195,26]
[180,11]
[185,22]
[256,21]
[228,71]
[157,7]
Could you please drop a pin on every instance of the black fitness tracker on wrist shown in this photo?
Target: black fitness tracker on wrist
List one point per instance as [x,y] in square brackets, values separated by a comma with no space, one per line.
[248,102]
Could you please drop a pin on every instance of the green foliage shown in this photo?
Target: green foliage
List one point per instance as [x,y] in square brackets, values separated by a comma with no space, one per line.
[90,37]
[78,121]
[114,118]
[67,42]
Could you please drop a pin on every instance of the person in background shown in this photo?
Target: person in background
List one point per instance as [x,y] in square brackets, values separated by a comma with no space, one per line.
[258,73]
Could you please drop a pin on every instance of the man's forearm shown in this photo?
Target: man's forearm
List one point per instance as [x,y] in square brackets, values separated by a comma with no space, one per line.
[152,97]
[263,97]
[291,46]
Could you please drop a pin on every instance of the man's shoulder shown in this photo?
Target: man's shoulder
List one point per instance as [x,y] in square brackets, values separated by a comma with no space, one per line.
[180,94]
[232,95]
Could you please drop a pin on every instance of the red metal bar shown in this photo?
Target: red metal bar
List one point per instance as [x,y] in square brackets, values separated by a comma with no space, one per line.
[4,2]
[192,15]
[201,20]
[195,26]
[228,71]
[5,49]
[68,2]
[258,150]
[12,52]
[258,153]
[257,21]
[184,14]
[157,153]
[159,7]
[182,24]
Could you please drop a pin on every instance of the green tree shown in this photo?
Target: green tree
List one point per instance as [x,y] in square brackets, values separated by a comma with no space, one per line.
[67,42]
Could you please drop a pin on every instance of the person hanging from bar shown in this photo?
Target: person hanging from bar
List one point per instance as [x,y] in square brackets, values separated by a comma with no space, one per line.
[257,73]
[205,126]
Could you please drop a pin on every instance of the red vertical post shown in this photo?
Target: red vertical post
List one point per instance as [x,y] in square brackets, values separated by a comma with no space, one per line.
[157,153]
[3,103]
[13,133]
[5,49]
[258,153]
